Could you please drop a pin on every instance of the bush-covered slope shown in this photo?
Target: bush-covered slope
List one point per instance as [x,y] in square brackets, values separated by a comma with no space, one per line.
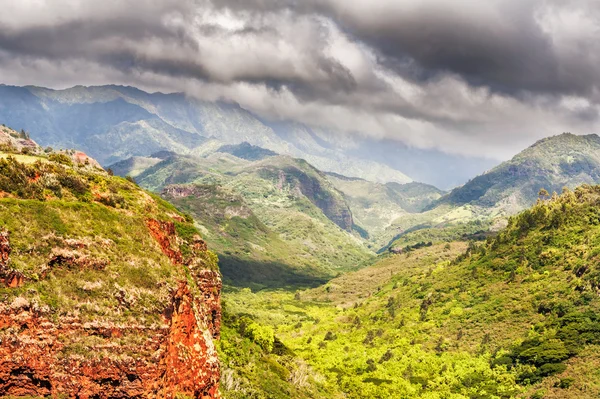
[105,289]
[375,206]
[515,316]
[274,222]
[250,253]
[551,163]
[561,161]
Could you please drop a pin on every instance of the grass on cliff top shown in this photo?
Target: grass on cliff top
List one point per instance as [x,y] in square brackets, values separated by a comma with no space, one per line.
[81,240]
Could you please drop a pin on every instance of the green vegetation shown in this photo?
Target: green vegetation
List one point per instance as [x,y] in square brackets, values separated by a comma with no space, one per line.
[255,364]
[551,163]
[464,231]
[274,223]
[376,206]
[80,239]
[515,316]
[247,151]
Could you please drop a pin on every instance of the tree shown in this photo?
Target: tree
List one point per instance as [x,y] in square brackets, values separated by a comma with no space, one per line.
[543,194]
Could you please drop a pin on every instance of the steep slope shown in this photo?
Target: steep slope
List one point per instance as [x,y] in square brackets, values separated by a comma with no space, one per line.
[134,166]
[302,179]
[552,163]
[274,222]
[250,253]
[106,291]
[376,206]
[113,123]
[486,201]
[514,317]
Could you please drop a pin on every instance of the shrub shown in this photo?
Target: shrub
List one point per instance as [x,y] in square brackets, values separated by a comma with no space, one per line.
[329,336]
[565,383]
[60,158]
[262,335]
[76,185]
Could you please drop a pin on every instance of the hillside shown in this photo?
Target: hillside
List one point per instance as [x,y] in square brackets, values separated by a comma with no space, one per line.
[274,222]
[247,151]
[516,316]
[484,203]
[113,123]
[561,161]
[106,290]
[376,206]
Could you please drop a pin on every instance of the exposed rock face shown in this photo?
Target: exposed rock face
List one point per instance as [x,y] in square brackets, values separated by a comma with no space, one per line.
[11,278]
[4,249]
[83,159]
[190,360]
[32,362]
[163,232]
[179,355]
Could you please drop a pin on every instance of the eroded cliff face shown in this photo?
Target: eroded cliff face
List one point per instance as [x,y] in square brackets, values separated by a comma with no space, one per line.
[11,278]
[175,357]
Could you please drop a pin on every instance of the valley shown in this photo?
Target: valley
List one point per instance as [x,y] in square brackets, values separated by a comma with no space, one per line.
[366,199]
[335,286]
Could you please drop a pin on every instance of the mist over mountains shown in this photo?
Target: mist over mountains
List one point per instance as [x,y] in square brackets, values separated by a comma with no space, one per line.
[113,123]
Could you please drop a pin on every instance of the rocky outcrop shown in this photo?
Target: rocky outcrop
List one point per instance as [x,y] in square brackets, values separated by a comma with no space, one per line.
[164,233]
[190,361]
[10,277]
[48,353]
[181,355]
[82,158]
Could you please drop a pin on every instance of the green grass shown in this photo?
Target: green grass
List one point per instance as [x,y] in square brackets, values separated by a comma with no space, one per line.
[83,257]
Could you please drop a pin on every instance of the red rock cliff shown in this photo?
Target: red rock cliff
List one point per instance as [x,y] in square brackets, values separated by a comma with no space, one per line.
[181,358]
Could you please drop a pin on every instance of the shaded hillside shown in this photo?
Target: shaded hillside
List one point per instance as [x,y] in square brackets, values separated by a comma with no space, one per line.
[106,290]
[277,221]
[247,151]
[250,254]
[516,316]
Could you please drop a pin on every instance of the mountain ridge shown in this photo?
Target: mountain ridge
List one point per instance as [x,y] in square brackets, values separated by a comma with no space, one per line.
[551,163]
[45,113]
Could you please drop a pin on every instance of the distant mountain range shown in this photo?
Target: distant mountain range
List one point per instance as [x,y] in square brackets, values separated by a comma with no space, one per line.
[136,131]
[113,123]
[395,215]
[565,160]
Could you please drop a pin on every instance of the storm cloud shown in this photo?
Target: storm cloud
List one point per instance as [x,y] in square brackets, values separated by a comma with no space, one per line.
[482,78]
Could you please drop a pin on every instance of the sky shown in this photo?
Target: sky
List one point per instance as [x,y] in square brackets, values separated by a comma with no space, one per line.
[472,78]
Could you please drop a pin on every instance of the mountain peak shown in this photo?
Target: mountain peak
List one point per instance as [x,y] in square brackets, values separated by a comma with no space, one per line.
[551,163]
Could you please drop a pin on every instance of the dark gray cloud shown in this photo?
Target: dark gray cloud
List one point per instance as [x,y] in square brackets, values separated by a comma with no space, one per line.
[476,78]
